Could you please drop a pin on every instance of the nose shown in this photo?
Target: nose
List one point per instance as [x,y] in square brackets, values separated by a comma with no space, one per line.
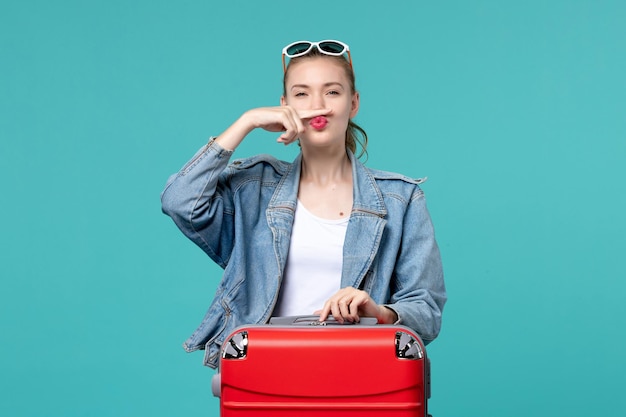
[318,102]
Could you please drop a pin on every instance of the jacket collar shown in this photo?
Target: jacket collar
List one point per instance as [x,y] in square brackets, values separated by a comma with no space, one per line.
[366,194]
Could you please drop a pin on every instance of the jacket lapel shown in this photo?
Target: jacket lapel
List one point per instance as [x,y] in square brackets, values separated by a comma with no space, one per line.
[281,211]
[365,229]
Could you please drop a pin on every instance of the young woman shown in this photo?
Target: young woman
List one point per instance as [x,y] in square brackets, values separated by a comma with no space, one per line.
[321,235]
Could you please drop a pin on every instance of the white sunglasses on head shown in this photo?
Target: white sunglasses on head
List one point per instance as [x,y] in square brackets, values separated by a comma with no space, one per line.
[327,47]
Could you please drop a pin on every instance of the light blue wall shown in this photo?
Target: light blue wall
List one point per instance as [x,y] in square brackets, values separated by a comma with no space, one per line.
[514,110]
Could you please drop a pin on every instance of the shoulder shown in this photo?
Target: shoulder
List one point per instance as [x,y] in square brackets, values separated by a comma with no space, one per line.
[401,194]
[382,176]
[390,181]
[262,169]
[260,163]
[388,185]
[397,186]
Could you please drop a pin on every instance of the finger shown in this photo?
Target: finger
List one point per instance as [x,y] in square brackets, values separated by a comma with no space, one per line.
[293,126]
[324,312]
[366,306]
[297,120]
[335,310]
[309,114]
[354,307]
[288,136]
[344,309]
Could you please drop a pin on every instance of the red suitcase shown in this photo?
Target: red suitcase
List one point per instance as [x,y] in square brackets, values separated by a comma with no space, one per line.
[297,367]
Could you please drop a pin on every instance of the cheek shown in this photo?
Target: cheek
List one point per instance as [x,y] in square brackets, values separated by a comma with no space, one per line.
[298,103]
[347,109]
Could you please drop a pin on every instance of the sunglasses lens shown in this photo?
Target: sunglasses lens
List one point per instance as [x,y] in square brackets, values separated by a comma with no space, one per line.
[332,47]
[298,48]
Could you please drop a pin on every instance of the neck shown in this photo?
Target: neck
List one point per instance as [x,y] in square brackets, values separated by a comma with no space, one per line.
[324,168]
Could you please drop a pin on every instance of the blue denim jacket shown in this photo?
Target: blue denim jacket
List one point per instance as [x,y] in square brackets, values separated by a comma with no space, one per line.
[241,215]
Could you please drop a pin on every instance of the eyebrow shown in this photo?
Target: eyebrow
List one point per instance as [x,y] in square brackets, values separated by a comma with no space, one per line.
[332,83]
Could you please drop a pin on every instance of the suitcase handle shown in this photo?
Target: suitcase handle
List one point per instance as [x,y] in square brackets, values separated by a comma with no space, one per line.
[314,320]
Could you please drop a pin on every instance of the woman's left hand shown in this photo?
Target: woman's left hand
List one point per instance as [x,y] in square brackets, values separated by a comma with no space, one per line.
[349,304]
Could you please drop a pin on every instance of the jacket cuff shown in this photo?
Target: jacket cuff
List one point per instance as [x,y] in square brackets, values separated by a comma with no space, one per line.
[397,314]
[217,148]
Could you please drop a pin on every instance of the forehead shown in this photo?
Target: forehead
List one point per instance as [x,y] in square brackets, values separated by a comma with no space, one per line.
[318,70]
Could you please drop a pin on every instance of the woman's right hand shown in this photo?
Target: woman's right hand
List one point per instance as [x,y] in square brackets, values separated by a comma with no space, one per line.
[284,119]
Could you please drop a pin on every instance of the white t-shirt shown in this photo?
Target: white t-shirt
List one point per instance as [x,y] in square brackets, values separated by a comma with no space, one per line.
[313,270]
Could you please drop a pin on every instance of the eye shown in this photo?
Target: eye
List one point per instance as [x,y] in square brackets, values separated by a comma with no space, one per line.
[333,93]
[300,94]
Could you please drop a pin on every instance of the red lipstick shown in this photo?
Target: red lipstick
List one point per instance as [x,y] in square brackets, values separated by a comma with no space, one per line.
[319,122]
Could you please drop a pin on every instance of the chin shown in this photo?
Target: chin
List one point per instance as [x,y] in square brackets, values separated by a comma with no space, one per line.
[320,140]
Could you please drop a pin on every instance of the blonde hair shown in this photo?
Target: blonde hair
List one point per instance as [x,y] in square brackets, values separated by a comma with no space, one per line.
[355,134]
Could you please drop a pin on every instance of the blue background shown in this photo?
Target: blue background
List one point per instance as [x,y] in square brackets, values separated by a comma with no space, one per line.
[514,110]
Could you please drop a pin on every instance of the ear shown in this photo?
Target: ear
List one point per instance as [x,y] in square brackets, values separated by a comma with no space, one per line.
[356,100]
[283,102]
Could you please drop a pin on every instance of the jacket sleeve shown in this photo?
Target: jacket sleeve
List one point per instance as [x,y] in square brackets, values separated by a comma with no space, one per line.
[199,201]
[418,292]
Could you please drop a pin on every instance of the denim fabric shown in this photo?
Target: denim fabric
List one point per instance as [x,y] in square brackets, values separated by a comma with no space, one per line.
[241,215]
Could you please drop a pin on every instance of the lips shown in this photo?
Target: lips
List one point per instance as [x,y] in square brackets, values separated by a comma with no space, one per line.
[319,122]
